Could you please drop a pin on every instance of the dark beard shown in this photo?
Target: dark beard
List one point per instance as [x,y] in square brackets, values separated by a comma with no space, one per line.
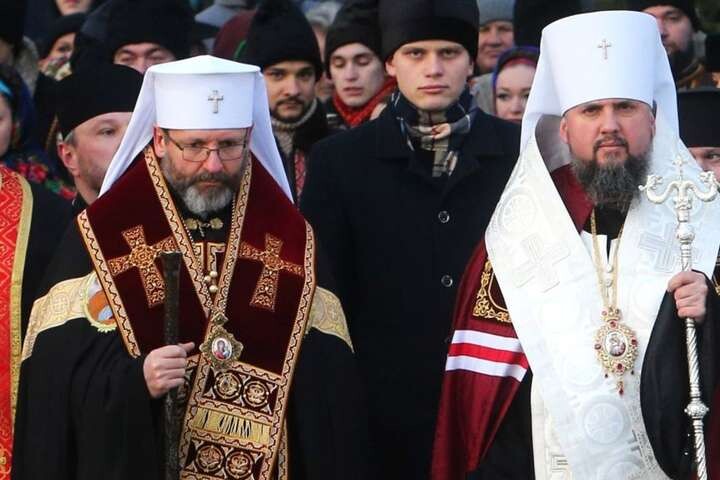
[613,186]
[681,60]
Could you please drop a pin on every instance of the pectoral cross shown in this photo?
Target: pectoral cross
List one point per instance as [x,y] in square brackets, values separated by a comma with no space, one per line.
[605,45]
[266,290]
[142,256]
[216,99]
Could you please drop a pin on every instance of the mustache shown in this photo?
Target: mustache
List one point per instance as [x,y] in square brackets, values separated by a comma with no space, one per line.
[220,177]
[608,140]
[294,100]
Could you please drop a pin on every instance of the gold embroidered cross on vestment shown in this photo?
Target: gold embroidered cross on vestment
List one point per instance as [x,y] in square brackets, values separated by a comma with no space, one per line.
[266,289]
[142,256]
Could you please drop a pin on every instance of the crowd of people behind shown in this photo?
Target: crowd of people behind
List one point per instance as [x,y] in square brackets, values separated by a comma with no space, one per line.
[346,85]
[71,72]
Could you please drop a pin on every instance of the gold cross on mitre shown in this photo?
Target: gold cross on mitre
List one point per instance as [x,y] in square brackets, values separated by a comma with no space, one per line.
[142,256]
[216,99]
[605,45]
[266,289]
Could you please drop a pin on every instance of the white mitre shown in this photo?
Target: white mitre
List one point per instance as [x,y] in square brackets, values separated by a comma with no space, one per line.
[613,54]
[201,93]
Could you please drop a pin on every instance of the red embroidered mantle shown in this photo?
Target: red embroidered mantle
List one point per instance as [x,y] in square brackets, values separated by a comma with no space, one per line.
[15,218]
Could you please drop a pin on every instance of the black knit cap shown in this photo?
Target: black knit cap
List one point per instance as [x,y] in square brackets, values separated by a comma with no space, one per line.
[356,22]
[279,32]
[12,19]
[61,26]
[687,6]
[90,92]
[698,112]
[406,21]
[531,16]
[165,22]
[712,52]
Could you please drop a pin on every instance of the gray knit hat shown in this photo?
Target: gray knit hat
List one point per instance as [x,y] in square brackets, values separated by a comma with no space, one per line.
[492,10]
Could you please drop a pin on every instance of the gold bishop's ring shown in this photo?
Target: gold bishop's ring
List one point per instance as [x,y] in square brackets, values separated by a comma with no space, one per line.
[220,346]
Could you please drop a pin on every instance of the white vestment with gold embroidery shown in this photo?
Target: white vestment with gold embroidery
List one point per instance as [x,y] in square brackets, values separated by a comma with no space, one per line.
[582,427]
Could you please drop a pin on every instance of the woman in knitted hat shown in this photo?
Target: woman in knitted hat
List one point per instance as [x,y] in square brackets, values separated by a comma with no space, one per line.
[512,79]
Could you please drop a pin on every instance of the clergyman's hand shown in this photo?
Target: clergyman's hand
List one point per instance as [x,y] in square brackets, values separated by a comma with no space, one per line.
[690,291]
[164,368]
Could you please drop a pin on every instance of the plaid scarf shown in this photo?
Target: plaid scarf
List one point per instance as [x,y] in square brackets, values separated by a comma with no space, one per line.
[437,134]
[285,131]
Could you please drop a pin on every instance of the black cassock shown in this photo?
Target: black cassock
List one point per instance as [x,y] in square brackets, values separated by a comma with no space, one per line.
[84,411]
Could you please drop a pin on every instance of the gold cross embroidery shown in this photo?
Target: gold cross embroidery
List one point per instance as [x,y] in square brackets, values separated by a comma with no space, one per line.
[142,256]
[266,289]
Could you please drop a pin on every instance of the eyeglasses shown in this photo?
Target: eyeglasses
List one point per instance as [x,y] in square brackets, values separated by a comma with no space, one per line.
[225,153]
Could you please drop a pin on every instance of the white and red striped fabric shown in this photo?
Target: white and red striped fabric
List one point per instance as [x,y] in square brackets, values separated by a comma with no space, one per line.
[485,353]
[483,372]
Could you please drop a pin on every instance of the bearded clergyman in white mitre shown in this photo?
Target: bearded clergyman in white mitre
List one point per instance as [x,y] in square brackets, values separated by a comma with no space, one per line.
[568,355]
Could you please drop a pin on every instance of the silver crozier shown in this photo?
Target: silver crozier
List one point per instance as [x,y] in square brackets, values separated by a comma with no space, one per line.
[682,192]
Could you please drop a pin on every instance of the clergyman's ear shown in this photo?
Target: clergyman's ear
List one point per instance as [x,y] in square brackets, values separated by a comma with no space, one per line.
[159,142]
[68,157]
[563,132]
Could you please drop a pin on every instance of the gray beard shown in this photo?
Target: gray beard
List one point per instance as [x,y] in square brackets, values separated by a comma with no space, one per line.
[612,186]
[201,203]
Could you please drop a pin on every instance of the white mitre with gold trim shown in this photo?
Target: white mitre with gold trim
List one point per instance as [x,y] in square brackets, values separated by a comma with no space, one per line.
[201,93]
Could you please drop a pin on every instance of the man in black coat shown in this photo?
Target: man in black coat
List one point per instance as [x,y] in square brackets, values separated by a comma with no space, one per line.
[282,43]
[398,204]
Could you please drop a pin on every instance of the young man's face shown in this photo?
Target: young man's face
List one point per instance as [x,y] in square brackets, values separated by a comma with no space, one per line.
[675,27]
[357,72]
[493,38]
[291,89]
[88,155]
[142,56]
[431,74]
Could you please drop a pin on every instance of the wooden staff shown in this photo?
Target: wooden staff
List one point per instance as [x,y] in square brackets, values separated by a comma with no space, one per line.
[171,430]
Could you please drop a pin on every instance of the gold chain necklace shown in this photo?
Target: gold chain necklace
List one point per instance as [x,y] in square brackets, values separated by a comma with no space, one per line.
[616,344]
[210,278]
